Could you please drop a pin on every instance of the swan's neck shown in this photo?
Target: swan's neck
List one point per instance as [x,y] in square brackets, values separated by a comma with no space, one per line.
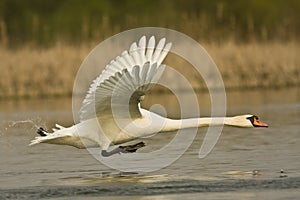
[172,125]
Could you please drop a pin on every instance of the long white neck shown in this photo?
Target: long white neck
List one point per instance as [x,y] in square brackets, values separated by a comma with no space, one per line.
[172,125]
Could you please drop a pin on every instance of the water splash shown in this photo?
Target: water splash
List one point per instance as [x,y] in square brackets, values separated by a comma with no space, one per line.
[20,122]
[27,124]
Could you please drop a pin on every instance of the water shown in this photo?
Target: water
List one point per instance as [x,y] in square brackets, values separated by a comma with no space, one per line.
[62,172]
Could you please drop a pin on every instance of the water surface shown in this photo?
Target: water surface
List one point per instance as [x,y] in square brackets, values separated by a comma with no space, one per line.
[51,171]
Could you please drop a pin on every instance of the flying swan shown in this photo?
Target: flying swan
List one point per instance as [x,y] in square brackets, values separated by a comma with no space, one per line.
[111,113]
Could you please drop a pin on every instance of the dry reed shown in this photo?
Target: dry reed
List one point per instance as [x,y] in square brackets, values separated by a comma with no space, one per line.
[32,72]
[257,65]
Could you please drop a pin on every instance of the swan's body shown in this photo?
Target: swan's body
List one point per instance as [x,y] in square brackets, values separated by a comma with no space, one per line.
[111,112]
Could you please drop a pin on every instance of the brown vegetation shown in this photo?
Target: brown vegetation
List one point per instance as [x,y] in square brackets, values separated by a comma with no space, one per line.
[32,72]
[257,65]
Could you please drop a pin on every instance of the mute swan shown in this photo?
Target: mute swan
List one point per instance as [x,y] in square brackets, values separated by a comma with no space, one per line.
[133,73]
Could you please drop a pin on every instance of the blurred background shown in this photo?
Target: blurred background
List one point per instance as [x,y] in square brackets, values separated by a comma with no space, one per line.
[255,44]
[42,43]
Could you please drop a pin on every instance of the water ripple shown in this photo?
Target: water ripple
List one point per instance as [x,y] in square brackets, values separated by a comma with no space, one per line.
[158,188]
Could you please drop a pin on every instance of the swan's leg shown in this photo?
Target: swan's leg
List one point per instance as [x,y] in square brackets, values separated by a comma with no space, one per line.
[105,153]
[132,148]
[123,149]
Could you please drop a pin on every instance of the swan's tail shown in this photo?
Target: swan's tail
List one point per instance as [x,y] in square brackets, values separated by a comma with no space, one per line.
[59,134]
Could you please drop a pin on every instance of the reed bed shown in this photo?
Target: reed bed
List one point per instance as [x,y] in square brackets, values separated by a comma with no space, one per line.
[34,72]
[257,65]
[31,72]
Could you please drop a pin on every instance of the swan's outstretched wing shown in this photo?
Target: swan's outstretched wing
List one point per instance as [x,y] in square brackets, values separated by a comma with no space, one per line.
[125,80]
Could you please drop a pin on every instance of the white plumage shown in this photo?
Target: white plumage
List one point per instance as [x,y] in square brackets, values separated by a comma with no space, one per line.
[111,112]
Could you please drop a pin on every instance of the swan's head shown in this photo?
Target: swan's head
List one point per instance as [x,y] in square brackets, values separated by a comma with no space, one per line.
[248,121]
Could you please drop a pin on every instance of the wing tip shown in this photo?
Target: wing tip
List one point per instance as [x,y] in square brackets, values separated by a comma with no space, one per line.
[140,52]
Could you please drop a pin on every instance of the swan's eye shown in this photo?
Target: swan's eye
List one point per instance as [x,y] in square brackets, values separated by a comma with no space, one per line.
[251,118]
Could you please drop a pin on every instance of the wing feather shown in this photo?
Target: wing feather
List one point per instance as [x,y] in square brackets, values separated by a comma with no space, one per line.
[142,46]
[128,58]
[164,53]
[150,48]
[133,72]
[158,50]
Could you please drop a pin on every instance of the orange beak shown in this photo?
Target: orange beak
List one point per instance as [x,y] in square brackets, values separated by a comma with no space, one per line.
[258,123]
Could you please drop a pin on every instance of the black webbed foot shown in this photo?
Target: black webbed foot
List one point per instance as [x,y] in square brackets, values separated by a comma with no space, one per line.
[41,131]
[123,149]
[132,148]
